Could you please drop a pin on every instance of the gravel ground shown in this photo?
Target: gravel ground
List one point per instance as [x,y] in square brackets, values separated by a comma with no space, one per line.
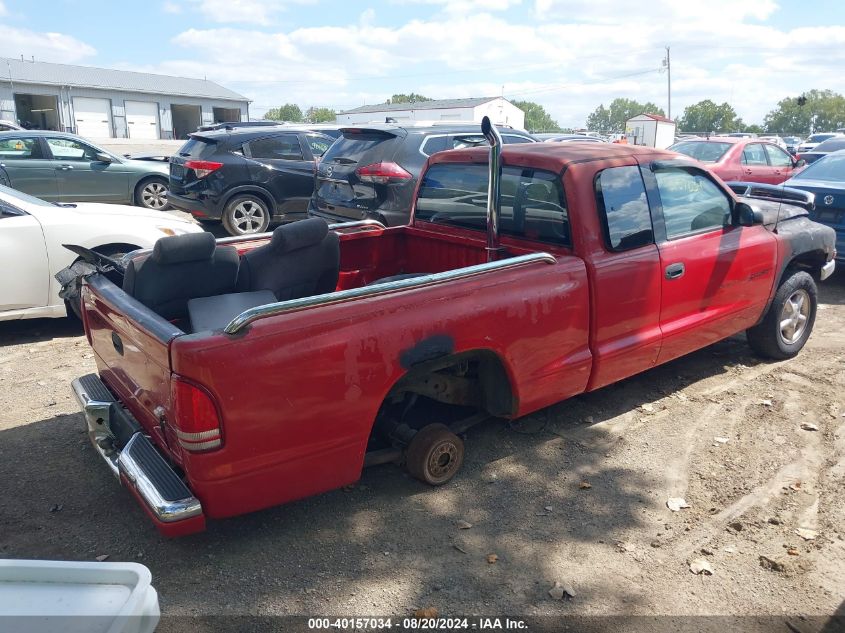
[575,494]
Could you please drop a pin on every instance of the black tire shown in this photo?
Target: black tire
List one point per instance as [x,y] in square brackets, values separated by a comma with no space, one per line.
[151,193]
[796,301]
[246,214]
[434,455]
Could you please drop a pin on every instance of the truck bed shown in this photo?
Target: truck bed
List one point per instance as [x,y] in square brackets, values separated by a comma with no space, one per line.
[276,381]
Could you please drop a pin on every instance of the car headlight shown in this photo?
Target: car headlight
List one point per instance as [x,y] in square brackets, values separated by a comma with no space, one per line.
[174,229]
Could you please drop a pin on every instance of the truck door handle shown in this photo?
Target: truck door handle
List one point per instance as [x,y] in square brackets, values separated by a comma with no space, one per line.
[66,168]
[675,271]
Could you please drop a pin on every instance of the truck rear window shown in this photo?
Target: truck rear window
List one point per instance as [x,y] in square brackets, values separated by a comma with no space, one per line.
[533,202]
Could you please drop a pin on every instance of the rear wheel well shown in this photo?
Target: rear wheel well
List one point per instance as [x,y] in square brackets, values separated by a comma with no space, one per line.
[265,197]
[450,390]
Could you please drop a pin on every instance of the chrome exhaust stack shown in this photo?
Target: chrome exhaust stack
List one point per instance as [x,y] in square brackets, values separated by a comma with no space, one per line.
[494,197]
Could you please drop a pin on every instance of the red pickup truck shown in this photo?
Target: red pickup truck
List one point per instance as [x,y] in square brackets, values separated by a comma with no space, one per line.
[247,372]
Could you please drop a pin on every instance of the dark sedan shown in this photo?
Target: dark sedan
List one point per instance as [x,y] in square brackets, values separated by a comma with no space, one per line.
[823,149]
[60,167]
[826,179]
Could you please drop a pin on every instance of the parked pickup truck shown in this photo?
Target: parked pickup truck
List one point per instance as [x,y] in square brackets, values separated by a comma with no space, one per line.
[248,372]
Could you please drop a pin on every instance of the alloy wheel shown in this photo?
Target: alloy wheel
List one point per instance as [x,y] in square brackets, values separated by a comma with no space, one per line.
[794,316]
[154,195]
[248,217]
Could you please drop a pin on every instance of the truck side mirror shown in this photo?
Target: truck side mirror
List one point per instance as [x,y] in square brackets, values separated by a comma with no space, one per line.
[747,215]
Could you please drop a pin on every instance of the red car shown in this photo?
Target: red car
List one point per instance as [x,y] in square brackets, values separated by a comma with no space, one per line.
[241,374]
[745,159]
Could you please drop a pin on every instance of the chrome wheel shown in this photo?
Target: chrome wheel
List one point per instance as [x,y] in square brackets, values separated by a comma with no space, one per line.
[154,195]
[794,316]
[248,216]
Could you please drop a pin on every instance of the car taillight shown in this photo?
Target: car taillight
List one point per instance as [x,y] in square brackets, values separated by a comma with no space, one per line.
[197,423]
[202,167]
[382,173]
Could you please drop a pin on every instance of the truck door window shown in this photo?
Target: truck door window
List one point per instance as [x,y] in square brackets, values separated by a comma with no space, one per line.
[692,203]
[533,203]
[623,208]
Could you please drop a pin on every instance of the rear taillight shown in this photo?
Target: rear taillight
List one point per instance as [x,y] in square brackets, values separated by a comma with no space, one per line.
[382,173]
[202,167]
[197,423]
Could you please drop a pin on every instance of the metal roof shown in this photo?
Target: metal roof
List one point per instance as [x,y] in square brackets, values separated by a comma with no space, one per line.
[423,105]
[35,72]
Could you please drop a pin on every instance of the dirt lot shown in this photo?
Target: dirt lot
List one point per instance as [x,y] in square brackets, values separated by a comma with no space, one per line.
[719,428]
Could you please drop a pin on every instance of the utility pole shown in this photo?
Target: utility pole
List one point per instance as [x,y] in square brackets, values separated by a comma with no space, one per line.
[667,63]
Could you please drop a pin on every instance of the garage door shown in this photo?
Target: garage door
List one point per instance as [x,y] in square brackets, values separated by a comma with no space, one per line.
[93,117]
[142,119]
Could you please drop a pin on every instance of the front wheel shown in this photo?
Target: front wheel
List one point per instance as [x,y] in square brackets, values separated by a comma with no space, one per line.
[245,215]
[434,454]
[784,330]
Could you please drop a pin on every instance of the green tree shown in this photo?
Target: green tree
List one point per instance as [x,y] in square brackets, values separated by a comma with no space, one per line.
[611,120]
[753,128]
[706,116]
[410,98]
[320,115]
[814,111]
[288,112]
[536,117]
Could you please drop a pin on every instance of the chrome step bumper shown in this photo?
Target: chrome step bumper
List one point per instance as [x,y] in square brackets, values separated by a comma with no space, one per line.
[138,463]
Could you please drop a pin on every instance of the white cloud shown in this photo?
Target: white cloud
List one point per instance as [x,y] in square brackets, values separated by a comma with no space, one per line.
[3,10]
[260,12]
[569,61]
[172,8]
[52,47]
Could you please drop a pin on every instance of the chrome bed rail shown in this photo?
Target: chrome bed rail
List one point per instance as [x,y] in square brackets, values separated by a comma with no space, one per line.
[272,309]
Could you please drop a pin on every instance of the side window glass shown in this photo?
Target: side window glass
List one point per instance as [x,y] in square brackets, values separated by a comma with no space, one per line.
[510,139]
[283,147]
[691,202]
[434,144]
[20,148]
[777,157]
[754,154]
[318,145]
[623,208]
[460,141]
[68,149]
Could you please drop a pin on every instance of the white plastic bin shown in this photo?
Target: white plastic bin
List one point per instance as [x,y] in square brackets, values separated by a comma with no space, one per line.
[38,596]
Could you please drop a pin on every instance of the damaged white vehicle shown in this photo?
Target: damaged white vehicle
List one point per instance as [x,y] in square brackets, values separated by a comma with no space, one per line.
[32,232]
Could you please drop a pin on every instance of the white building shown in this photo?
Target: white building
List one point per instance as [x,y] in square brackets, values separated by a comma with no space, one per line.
[500,110]
[105,103]
[651,130]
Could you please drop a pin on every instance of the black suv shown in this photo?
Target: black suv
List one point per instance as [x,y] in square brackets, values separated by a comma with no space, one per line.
[246,177]
[370,172]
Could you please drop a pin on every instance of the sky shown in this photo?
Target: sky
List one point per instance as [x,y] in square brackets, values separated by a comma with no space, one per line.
[568,55]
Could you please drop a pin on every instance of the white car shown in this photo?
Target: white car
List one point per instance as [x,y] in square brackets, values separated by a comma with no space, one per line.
[32,232]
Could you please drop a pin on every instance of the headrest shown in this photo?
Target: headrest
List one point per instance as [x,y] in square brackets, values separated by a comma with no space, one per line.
[296,235]
[191,247]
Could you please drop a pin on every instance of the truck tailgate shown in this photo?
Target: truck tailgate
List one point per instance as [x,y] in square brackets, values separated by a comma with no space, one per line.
[131,346]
